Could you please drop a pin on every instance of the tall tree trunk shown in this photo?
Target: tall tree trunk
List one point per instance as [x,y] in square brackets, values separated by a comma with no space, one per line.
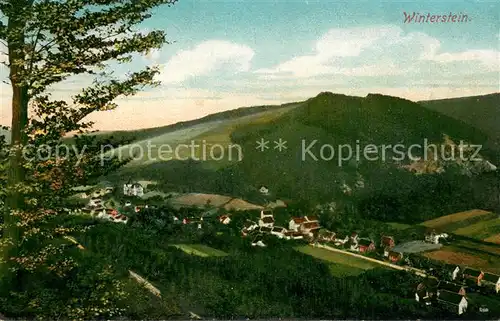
[20,99]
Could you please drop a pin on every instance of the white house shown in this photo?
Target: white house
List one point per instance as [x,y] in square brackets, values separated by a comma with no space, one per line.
[266,213]
[133,189]
[81,195]
[292,235]
[264,190]
[455,273]
[434,237]
[266,218]
[95,202]
[492,281]
[311,218]
[295,223]
[249,226]
[455,302]
[267,221]
[309,228]
[354,240]
[225,219]
[340,240]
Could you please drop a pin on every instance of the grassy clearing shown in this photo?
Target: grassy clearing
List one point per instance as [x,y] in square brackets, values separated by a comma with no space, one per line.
[481,230]
[444,222]
[199,250]
[340,264]
[399,226]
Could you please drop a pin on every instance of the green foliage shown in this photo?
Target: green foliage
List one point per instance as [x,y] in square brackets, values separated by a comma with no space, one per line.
[90,291]
[250,282]
[49,41]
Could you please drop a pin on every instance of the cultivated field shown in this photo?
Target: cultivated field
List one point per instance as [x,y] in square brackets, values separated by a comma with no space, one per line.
[477,224]
[340,264]
[493,239]
[199,250]
[453,255]
[201,200]
[444,222]
[487,230]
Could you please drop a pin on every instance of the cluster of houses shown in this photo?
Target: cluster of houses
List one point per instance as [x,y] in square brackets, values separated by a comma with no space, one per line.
[453,295]
[355,243]
[479,278]
[446,294]
[265,225]
[96,208]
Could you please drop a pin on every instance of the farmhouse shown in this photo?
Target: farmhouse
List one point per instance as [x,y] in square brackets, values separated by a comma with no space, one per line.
[453,271]
[434,237]
[366,245]
[452,287]
[266,213]
[491,281]
[472,275]
[81,195]
[452,301]
[87,211]
[395,256]
[311,218]
[95,202]
[387,242]
[267,221]
[265,229]
[292,235]
[250,225]
[278,231]
[353,241]
[295,223]
[309,228]
[133,189]
[426,291]
[224,219]
[340,239]
[326,236]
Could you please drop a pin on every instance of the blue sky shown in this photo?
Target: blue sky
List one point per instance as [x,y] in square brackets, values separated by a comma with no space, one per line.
[228,53]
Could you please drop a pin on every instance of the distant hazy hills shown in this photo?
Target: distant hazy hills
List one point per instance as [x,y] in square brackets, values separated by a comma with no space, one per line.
[327,121]
[482,112]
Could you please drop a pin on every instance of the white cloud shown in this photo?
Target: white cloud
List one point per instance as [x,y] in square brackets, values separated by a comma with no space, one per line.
[380,51]
[490,58]
[205,58]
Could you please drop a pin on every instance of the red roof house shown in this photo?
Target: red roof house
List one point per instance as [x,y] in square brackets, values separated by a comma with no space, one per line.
[387,242]
[366,245]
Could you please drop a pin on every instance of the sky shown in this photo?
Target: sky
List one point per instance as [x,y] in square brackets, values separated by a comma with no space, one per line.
[226,54]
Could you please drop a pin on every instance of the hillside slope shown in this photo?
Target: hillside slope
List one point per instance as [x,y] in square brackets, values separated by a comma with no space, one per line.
[482,112]
[335,120]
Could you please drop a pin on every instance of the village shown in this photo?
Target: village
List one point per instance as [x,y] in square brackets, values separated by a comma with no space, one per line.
[446,289]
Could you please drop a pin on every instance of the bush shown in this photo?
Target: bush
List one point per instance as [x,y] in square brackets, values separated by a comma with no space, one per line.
[92,290]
